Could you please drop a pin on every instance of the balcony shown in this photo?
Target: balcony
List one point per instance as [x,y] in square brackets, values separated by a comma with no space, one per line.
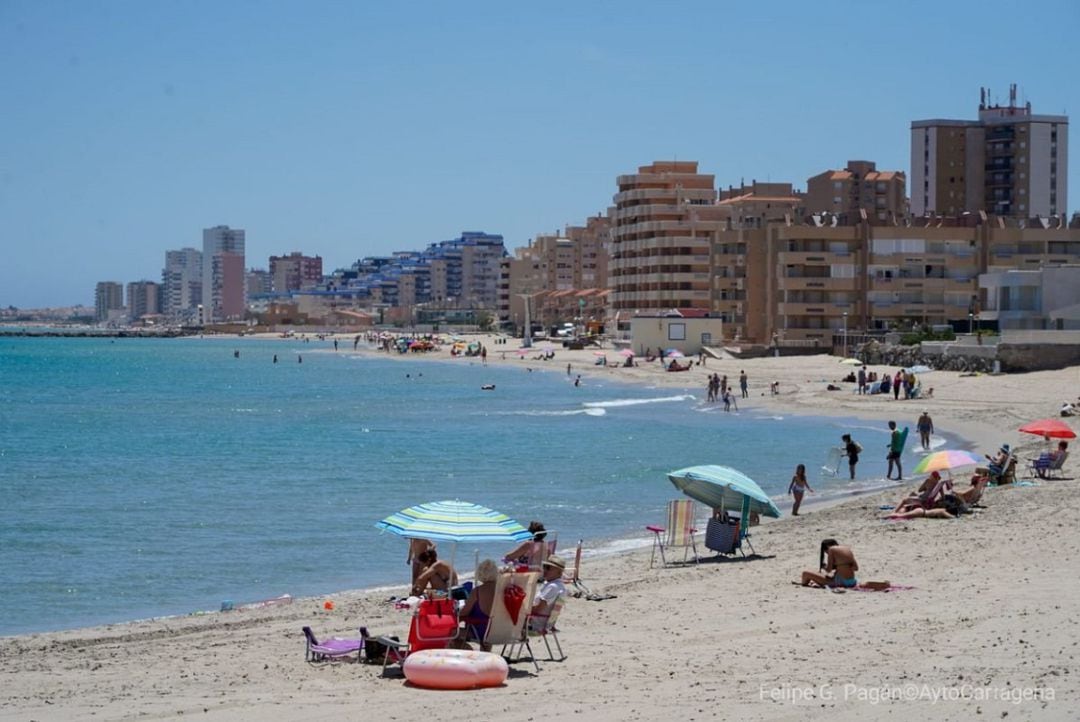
[803,283]
[831,310]
[813,258]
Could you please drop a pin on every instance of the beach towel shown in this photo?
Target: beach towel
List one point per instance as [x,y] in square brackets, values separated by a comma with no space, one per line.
[890,588]
[514,598]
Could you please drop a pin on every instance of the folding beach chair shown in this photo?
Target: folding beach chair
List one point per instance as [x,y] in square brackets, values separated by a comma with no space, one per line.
[333,648]
[679,531]
[543,626]
[434,625]
[572,577]
[1046,466]
[507,623]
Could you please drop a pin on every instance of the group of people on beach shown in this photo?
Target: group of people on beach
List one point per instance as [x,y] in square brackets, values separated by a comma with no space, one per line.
[870,382]
[719,390]
[436,578]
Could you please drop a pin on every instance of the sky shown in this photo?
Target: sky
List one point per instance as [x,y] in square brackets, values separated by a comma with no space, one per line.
[349,129]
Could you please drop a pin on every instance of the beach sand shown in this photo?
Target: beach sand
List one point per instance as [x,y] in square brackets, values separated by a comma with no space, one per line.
[991,625]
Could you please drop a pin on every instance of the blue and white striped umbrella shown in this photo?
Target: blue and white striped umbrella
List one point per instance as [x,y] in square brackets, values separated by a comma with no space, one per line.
[454,521]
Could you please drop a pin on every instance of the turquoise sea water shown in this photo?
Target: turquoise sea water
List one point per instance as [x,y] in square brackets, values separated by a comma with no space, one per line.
[146,477]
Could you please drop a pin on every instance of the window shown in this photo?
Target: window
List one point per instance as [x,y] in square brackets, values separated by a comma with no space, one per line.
[1023,207]
[1023,144]
[836,200]
[677,332]
[837,185]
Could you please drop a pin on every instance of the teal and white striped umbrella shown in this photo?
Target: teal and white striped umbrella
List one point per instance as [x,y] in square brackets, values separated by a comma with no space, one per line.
[454,521]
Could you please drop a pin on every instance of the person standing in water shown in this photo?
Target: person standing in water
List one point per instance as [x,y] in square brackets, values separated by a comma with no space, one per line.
[851,450]
[893,456]
[925,425]
[798,487]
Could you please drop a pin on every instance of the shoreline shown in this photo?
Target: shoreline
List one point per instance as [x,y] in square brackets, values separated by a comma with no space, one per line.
[645,378]
[729,635]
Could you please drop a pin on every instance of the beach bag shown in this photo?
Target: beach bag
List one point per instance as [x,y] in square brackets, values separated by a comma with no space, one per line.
[375,650]
[514,598]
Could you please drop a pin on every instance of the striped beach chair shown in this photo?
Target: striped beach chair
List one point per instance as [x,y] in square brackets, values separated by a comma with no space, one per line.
[679,532]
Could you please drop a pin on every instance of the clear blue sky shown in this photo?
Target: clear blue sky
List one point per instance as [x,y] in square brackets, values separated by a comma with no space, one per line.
[348,129]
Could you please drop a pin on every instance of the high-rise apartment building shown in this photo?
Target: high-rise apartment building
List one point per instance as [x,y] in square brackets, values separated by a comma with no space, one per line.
[108,297]
[181,284]
[223,274]
[567,264]
[880,195]
[144,299]
[662,223]
[258,282]
[1009,162]
[295,272]
[591,252]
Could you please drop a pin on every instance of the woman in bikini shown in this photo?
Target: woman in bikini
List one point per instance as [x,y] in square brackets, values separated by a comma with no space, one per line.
[530,554]
[438,575]
[838,563]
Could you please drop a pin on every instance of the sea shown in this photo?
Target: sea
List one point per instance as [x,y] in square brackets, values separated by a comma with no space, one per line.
[154,477]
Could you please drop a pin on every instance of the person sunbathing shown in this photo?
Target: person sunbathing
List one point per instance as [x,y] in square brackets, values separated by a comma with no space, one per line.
[920,513]
[838,563]
[973,494]
[530,553]
[927,495]
[477,610]
[437,574]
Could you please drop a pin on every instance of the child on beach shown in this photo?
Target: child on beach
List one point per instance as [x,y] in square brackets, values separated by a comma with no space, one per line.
[798,487]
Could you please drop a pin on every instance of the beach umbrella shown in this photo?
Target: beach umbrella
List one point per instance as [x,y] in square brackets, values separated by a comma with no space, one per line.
[673,353]
[599,353]
[1052,428]
[454,521]
[627,353]
[722,487]
[946,460]
[851,361]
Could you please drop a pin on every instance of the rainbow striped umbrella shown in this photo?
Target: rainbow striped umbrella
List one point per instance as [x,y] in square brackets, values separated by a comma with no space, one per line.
[454,521]
[946,460]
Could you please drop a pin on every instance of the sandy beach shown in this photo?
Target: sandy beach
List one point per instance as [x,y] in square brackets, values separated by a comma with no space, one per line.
[989,624]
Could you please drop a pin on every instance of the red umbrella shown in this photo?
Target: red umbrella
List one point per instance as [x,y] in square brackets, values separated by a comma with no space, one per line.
[1052,428]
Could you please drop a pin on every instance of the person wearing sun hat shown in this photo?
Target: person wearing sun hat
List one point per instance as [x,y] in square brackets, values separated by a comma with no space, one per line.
[551,589]
[999,464]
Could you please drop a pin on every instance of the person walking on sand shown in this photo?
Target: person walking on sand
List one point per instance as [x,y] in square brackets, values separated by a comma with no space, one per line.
[898,381]
[742,384]
[851,450]
[798,487]
[893,456]
[862,380]
[925,425]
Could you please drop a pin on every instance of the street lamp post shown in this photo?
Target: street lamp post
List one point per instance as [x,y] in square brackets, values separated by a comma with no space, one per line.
[845,334]
[526,339]
[971,320]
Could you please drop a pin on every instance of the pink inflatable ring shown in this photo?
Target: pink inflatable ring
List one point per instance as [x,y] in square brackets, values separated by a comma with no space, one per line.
[455,669]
